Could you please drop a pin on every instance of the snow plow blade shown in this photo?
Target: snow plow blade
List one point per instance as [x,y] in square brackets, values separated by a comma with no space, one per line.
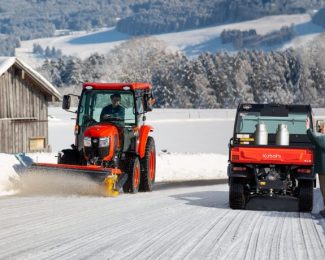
[94,172]
[108,177]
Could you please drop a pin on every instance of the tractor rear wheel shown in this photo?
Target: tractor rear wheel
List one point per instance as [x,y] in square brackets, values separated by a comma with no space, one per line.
[134,174]
[148,166]
[306,191]
[236,194]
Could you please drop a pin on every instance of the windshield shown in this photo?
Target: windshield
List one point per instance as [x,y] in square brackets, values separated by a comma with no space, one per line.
[247,121]
[106,106]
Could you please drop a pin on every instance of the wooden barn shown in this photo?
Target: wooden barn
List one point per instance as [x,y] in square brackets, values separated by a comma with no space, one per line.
[24,98]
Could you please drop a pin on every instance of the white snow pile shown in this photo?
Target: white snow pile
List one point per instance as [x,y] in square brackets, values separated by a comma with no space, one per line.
[7,173]
[170,167]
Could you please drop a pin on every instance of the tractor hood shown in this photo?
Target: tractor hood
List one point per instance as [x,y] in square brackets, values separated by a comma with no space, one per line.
[100,131]
[101,142]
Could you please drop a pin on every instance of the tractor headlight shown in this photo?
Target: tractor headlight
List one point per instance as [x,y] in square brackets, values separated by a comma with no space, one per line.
[103,142]
[87,141]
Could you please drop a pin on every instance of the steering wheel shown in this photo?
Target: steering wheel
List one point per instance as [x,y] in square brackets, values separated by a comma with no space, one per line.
[108,117]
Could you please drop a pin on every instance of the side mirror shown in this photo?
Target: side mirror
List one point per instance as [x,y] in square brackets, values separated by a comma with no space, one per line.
[66,102]
[147,106]
[148,102]
[319,125]
[231,142]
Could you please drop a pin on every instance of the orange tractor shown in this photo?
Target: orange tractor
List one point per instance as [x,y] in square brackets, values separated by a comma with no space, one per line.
[112,142]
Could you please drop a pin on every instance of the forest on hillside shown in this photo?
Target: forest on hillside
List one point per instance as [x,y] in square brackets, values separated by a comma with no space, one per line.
[217,80]
[319,17]
[31,19]
[169,16]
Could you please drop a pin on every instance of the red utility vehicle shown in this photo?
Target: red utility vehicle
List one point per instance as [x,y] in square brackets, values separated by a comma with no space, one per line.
[115,150]
[270,154]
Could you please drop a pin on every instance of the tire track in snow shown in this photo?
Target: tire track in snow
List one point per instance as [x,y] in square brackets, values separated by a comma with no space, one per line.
[52,227]
[173,235]
[310,233]
[209,247]
[136,226]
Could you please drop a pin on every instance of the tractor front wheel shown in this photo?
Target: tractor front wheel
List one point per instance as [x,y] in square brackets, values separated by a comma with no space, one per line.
[148,166]
[134,174]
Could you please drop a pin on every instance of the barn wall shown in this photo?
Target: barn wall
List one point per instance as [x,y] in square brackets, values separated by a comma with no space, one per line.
[23,112]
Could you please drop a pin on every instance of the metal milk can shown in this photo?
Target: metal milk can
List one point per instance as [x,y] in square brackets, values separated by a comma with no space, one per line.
[261,134]
[282,135]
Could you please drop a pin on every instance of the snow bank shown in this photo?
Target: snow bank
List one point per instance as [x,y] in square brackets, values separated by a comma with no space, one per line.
[170,167]
[179,167]
[176,166]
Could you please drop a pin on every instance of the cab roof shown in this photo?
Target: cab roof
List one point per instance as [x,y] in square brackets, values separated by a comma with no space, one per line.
[273,109]
[118,86]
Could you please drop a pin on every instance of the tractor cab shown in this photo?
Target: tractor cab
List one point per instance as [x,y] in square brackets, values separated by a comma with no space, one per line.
[113,113]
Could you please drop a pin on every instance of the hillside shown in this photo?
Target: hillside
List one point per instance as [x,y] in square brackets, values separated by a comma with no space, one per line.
[173,16]
[33,19]
[192,42]
[319,17]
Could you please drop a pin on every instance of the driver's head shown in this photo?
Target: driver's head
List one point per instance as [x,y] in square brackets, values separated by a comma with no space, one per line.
[116,99]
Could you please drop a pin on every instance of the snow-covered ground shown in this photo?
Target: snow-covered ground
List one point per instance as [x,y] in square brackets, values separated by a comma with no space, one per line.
[173,222]
[192,42]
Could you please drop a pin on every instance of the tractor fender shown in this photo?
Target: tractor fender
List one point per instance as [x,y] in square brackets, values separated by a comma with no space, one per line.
[143,137]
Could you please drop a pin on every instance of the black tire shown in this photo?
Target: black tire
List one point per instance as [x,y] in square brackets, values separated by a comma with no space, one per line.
[236,194]
[306,193]
[69,156]
[148,166]
[133,171]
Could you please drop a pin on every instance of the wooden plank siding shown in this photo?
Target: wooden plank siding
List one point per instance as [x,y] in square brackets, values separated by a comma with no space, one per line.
[23,112]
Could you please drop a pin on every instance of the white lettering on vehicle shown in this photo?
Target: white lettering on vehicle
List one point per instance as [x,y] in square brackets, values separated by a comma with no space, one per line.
[271,156]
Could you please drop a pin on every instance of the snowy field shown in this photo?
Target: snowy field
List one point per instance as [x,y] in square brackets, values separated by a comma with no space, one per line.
[191,144]
[192,42]
[176,130]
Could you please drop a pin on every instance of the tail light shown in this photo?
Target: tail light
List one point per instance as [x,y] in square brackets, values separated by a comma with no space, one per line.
[304,170]
[239,169]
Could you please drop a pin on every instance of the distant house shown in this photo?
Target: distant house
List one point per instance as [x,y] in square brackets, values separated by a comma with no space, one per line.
[24,97]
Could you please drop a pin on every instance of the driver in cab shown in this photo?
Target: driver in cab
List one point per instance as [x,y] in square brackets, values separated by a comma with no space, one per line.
[113,110]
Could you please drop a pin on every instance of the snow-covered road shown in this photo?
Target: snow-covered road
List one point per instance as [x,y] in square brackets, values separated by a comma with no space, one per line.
[176,221]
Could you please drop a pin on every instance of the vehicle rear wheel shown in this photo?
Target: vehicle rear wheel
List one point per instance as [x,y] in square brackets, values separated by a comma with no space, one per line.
[236,194]
[134,174]
[148,166]
[306,191]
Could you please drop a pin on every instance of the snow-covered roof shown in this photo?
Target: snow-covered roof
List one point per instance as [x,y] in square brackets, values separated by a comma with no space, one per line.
[46,86]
